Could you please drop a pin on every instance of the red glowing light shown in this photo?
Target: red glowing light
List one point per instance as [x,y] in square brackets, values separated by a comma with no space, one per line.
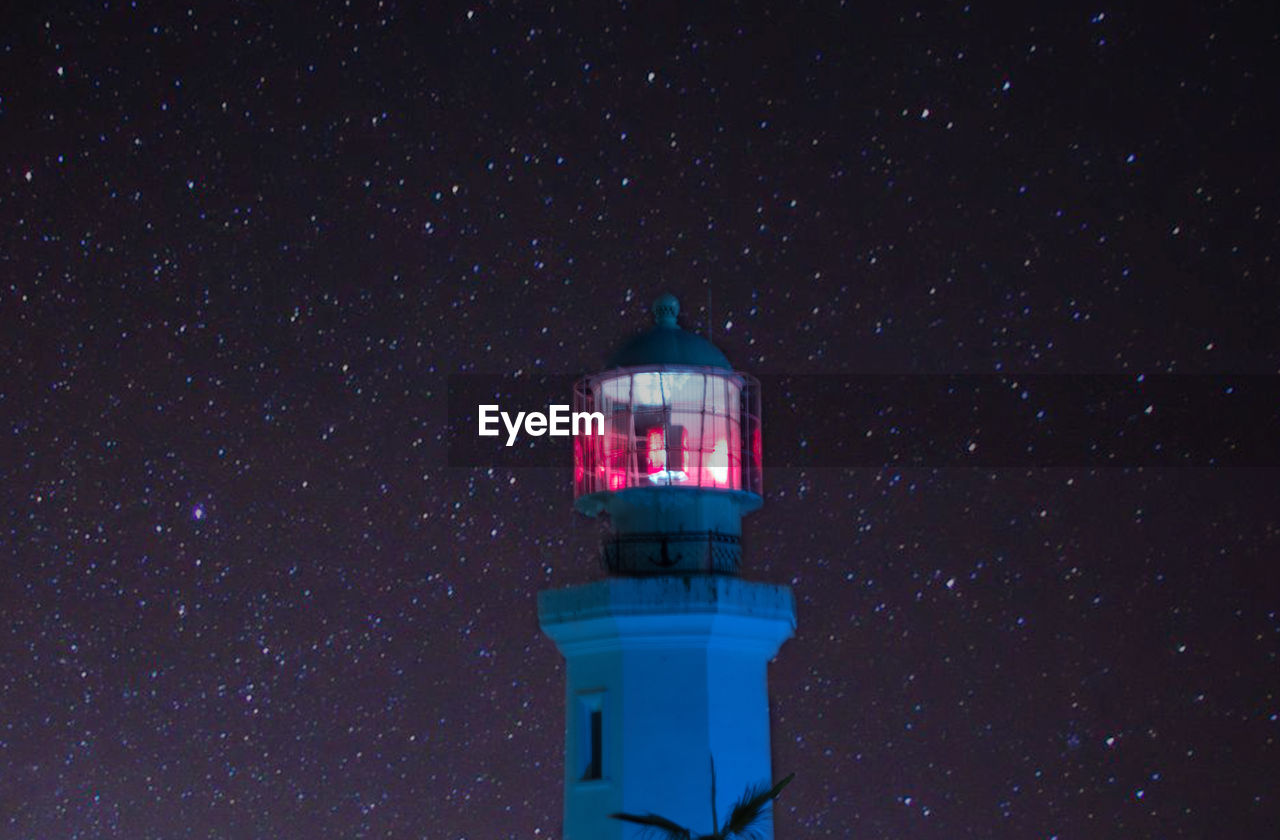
[579,462]
[656,450]
[718,463]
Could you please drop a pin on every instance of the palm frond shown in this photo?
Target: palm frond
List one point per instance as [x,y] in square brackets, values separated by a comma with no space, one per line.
[665,827]
[751,808]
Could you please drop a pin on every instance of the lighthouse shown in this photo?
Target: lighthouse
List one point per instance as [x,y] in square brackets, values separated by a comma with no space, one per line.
[666,655]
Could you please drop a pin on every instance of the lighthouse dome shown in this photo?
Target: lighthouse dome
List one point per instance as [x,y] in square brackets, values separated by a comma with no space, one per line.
[667,344]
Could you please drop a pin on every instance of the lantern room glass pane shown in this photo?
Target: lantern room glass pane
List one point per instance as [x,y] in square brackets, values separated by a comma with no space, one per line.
[673,428]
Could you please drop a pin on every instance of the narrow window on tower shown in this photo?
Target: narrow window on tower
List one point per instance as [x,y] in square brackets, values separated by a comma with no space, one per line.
[590,726]
[593,768]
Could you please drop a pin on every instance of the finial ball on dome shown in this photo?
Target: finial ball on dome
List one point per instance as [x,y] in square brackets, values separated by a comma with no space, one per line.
[665,310]
[667,344]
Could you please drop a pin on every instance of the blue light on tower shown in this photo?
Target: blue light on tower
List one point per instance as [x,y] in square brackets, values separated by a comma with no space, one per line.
[666,656]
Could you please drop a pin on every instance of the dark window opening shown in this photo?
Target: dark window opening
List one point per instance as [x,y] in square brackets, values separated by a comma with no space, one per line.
[595,739]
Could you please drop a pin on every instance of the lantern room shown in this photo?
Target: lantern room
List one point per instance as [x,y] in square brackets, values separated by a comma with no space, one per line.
[678,462]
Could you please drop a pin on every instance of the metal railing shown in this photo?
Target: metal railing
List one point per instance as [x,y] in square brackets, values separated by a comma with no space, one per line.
[698,552]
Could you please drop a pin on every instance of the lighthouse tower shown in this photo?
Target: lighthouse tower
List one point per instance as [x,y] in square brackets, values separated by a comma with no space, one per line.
[666,655]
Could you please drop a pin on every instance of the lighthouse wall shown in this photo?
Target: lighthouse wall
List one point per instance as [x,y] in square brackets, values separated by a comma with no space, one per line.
[675,667]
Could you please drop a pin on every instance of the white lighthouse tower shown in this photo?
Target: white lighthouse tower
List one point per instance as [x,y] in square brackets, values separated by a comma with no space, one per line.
[666,656]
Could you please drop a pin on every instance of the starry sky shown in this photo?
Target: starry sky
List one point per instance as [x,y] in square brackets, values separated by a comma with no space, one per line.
[247,594]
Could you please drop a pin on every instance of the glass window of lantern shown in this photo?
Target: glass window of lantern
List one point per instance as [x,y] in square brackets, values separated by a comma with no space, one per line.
[665,428]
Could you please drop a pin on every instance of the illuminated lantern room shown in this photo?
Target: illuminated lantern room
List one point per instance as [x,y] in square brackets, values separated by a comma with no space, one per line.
[678,463]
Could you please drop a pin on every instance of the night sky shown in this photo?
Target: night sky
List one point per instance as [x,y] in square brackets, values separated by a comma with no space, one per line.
[246,594]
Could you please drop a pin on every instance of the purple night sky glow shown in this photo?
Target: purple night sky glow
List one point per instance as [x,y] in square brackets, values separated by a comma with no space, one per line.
[247,593]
